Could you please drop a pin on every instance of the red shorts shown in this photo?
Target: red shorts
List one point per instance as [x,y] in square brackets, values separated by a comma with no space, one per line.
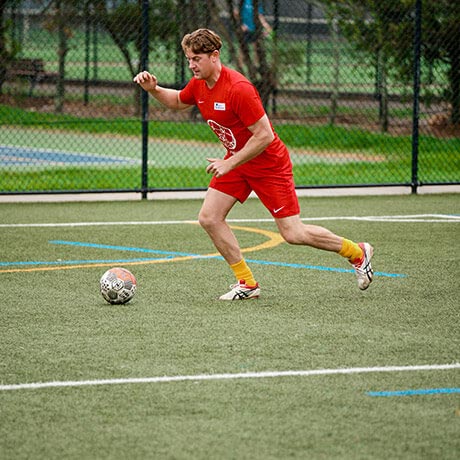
[271,179]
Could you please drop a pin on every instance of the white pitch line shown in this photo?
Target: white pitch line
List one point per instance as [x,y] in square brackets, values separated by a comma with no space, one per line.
[426,218]
[98,224]
[247,375]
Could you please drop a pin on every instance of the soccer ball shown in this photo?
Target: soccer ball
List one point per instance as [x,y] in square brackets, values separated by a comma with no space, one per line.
[118,285]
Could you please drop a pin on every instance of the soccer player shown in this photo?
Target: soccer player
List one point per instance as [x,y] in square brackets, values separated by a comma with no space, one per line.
[256,160]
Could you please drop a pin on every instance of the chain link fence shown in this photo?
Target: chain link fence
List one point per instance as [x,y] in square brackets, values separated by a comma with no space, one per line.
[363,93]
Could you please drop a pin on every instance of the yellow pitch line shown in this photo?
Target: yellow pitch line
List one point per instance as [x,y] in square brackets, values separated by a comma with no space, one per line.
[274,239]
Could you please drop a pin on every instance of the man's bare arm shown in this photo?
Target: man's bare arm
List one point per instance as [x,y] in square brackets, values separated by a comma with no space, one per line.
[166,96]
[262,137]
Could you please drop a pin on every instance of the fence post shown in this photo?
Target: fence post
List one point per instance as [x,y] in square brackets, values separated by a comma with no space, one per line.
[145,98]
[415,113]
[309,43]
[87,51]
[275,57]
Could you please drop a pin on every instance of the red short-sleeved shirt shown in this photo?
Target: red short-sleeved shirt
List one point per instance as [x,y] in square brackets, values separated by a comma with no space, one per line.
[229,108]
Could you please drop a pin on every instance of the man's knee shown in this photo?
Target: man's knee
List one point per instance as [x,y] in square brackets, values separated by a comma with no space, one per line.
[207,219]
[291,235]
[203,219]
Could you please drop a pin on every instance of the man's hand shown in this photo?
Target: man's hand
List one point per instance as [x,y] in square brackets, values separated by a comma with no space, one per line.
[218,167]
[146,80]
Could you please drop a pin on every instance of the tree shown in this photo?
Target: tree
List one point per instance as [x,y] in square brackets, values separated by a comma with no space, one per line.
[385,28]
[8,47]
[441,43]
[60,19]
[124,25]
[260,69]
[64,11]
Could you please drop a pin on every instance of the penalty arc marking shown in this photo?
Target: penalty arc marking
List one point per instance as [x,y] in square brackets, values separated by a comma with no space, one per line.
[274,239]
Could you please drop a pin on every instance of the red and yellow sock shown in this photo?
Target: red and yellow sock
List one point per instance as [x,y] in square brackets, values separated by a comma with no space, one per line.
[351,251]
[243,272]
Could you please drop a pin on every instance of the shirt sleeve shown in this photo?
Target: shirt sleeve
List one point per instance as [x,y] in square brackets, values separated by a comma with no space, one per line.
[246,103]
[187,95]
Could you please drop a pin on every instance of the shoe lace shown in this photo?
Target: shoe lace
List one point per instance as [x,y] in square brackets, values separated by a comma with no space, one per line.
[363,267]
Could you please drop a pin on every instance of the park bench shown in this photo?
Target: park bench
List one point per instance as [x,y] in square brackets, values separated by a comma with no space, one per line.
[32,70]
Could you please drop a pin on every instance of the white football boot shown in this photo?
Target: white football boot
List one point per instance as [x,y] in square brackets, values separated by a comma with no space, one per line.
[241,291]
[363,267]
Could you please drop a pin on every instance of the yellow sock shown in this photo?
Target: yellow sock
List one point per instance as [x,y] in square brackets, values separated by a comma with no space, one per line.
[243,272]
[351,250]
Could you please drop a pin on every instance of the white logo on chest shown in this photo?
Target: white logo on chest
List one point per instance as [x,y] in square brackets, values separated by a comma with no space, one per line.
[224,134]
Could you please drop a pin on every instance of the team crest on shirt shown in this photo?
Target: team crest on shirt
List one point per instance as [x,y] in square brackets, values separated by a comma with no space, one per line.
[224,134]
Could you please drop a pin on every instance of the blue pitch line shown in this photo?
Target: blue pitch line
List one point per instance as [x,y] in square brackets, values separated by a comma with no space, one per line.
[172,254]
[121,248]
[167,255]
[254,261]
[82,262]
[427,391]
[319,267]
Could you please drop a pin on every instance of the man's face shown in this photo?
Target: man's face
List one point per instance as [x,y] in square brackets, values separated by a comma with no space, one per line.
[202,65]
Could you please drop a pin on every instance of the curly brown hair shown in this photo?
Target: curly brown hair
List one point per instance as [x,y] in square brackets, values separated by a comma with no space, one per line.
[202,41]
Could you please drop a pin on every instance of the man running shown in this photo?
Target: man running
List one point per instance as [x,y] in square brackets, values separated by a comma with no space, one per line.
[256,160]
